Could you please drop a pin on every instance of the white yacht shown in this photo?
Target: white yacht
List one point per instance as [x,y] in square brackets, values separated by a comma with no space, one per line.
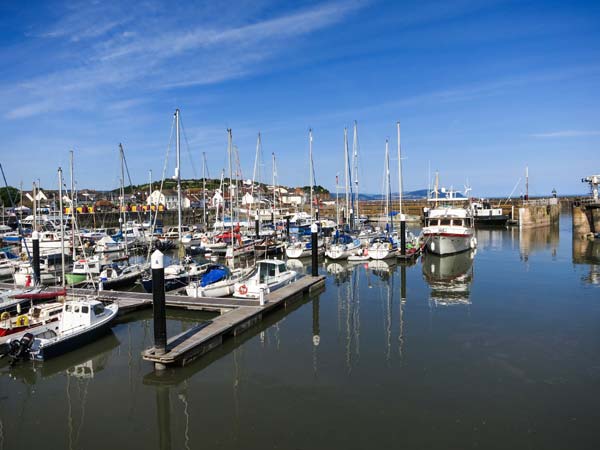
[449,226]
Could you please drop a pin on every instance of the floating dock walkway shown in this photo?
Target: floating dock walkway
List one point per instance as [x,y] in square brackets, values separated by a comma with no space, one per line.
[236,315]
[193,343]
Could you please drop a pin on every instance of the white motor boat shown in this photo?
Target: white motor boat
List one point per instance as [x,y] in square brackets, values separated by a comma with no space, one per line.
[267,276]
[449,227]
[217,281]
[82,321]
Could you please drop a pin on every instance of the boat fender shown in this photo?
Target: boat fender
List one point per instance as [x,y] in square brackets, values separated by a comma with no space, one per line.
[5,315]
[22,321]
[473,242]
[243,289]
[28,281]
[432,246]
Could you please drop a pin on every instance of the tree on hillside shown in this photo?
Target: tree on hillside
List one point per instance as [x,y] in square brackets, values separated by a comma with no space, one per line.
[6,194]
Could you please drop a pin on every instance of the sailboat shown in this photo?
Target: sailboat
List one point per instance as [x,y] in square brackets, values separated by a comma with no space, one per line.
[177,275]
[383,246]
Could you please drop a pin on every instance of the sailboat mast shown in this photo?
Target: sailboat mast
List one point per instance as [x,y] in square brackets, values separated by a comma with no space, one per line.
[34,193]
[256,176]
[73,206]
[399,170]
[123,214]
[346,180]
[387,180]
[274,188]
[230,153]
[437,183]
[526,182]
[204,188]
[62,227]
[150,197]
[178,174]
[310,140]
[355,163]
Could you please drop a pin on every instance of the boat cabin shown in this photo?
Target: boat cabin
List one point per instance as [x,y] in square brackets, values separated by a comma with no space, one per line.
[81,314]
[268,269]
[85,266]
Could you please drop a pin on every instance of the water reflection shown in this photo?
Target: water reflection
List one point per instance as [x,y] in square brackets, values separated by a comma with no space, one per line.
[83,363]
[540,238]
[588,252]
[449,277]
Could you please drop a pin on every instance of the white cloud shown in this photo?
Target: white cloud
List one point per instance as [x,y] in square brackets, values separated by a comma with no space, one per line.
[116,51]
[566,133]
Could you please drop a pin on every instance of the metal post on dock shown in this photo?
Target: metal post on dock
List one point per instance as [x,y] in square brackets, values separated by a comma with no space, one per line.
[35,239]
[314,249]
[158,305]
[402,235]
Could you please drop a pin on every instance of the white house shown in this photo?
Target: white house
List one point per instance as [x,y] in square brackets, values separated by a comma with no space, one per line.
[168,198]
[217,199]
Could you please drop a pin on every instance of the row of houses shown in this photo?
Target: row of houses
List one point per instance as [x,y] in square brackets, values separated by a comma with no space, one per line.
[190,198]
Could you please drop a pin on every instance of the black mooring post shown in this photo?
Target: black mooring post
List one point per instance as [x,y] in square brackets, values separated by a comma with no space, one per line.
[158,304]
[256,228]
[315,249]
[35,239]
[403,283]
[287,227]
[163,409]
[402,236]
[273,218]
[352,224]
[317,214]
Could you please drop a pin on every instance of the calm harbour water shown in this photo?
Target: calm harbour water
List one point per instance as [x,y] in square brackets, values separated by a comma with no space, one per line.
[498,349]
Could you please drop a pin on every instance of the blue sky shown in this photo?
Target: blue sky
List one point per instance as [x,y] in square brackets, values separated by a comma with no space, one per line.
[481,88]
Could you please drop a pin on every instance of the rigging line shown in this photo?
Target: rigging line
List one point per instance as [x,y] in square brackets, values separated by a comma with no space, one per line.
[139,214]
[187,144]
[162,181]
[12,203]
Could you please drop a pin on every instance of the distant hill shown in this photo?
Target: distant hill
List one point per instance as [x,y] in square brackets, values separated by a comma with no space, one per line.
[410,195]
[420,194]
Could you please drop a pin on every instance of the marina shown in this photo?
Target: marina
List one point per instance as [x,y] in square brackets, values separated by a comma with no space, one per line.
[328,224]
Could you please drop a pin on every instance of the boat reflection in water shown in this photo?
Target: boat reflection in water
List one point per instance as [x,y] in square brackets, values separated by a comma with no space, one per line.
[587,252]
[83,363]
[382,268]
[540,238]
[449,277]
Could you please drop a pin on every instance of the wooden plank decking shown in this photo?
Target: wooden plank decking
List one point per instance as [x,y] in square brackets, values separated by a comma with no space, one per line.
[187,346]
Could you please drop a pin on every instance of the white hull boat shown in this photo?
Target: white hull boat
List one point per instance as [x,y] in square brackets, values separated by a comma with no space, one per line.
[268,276]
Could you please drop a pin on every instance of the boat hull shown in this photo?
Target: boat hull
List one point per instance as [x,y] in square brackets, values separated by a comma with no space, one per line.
[72,343]
[448,244]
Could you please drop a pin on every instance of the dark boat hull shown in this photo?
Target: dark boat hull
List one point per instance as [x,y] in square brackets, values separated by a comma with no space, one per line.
[170,284]
[73,343]
[492,221]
